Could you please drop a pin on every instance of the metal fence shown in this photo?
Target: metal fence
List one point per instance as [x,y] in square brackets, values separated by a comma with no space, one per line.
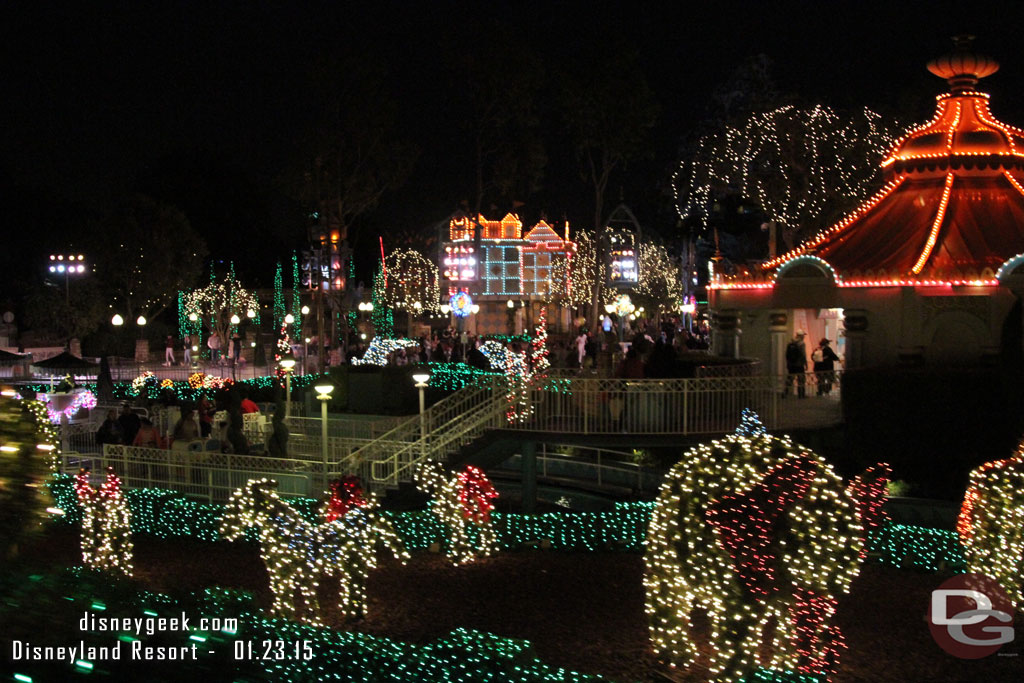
[650,406]
[599,465]
[208,475]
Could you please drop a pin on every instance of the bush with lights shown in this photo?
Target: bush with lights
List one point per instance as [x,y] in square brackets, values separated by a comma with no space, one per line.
[991,523]
[463,505]
[106,524]
[751,528]
[143,382]
[298,553]
[28,451]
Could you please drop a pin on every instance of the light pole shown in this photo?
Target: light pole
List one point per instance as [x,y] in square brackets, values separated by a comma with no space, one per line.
[118,322]
[288,364]
[67,266]
[323,393]
[421,379]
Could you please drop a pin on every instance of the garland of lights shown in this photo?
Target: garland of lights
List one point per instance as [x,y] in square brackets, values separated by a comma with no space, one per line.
[991,523]
[462,504]
[296,296]
[518,379]
[796,163]
[379,349]
[106,524]
[382,317]
[539,363]
[83,399]
[279,311]
[411,283]
[751,528]
[298,552]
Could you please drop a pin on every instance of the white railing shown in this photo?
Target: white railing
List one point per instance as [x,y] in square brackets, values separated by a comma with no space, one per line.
[650,406]
[213,476]
[345,426]
[600,465]
[438,445]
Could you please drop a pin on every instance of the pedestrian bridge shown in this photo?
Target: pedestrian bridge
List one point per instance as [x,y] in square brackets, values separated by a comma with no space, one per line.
[570,409]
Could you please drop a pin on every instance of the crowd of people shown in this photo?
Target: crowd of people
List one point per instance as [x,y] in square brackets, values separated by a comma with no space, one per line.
[196,421]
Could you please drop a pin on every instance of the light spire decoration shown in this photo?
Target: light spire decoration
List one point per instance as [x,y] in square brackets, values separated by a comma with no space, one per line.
[106,524]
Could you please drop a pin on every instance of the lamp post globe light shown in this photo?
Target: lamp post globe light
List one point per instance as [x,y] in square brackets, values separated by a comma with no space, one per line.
[421,379]
[289,319]
[117,320]
[287,364]
[323,394]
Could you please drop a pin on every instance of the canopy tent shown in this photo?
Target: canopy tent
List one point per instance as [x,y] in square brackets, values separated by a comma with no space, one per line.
[64,364]
[8,358]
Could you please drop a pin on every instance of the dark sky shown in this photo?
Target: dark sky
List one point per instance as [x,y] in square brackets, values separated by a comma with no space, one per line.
[199,102]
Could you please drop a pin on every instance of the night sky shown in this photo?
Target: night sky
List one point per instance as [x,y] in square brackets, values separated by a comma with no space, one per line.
[198,104]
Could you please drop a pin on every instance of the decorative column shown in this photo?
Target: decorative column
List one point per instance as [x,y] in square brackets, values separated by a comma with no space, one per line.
[725,333]
[856,324]
[777,329]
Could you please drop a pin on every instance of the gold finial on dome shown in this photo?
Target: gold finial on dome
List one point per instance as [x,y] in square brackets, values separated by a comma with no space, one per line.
[963,67]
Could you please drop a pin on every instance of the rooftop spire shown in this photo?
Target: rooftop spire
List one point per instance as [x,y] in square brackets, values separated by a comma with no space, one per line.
[963,67]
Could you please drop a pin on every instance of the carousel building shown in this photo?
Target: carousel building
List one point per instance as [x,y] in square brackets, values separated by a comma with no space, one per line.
[928,270]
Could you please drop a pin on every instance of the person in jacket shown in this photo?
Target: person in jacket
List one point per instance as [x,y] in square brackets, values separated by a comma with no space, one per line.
[796,365]
[824,359]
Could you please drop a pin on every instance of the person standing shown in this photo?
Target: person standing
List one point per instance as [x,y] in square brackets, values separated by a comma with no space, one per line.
[824,359]
[129,422]
[214,344]
[796,365]
[187,346]
[169,351]
[110,430]
[581,347]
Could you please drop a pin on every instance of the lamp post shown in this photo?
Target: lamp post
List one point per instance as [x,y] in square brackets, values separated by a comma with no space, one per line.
[118,322]
[421,379]
[323,393]
[288,364]
[67,265]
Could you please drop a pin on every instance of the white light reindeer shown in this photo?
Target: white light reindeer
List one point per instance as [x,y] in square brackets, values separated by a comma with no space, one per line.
[299,553]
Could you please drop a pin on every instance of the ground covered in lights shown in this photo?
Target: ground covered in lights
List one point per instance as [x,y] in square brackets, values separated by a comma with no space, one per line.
[581,611]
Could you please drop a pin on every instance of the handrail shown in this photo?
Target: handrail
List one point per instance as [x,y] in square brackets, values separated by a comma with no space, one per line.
[436,445]
[432,419]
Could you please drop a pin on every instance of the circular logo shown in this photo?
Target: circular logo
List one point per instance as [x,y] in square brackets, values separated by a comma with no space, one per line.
[461,304]
[970,616]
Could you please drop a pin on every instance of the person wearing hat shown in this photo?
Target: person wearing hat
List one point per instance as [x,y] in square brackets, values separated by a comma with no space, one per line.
[824,359]
[796,365]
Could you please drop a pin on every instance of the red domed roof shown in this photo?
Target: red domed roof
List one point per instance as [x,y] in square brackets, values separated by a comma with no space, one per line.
[953,209]
[962,132]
